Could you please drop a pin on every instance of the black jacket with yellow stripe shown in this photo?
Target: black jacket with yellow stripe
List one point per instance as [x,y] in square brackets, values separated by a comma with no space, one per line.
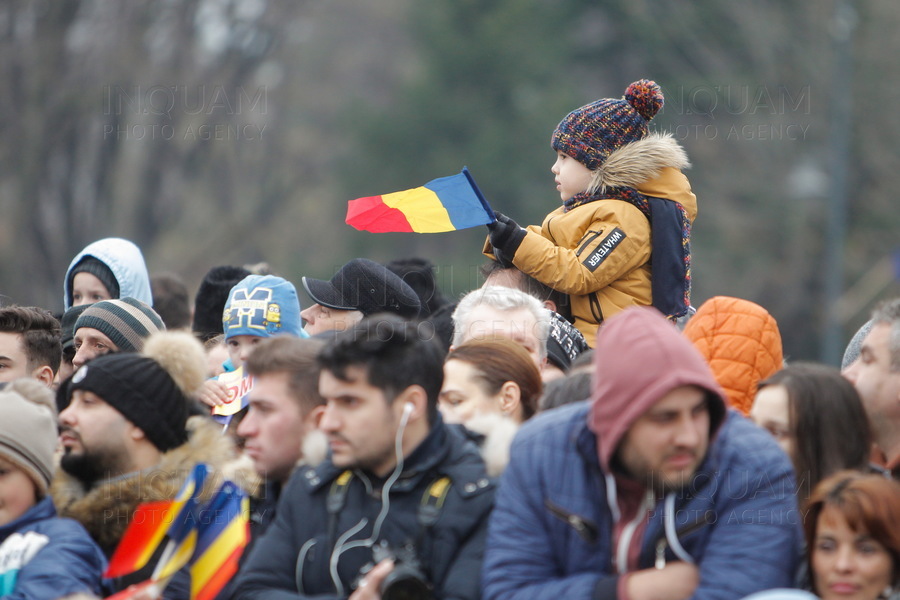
[322,536]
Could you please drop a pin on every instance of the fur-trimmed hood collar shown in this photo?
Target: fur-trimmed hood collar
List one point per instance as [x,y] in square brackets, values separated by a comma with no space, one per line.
[639,162]
[105,510]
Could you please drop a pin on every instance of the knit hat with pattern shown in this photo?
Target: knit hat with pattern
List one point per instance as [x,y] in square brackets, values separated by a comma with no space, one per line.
[591,133]
[263,306]
[126,322]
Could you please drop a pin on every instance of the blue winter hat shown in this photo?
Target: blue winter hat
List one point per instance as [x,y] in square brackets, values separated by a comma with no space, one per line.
[262,306]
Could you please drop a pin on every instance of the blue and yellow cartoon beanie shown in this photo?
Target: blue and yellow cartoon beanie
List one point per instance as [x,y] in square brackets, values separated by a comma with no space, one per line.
[263,306]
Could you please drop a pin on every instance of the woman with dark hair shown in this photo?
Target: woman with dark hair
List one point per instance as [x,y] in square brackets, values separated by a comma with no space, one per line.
[816,416]
[490,387]
[852,533]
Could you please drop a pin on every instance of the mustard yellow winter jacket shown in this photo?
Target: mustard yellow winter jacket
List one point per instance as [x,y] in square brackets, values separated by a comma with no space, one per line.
[598,253]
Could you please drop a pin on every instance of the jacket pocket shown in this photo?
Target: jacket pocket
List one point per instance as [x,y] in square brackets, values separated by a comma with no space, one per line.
[585,528]
[588,237]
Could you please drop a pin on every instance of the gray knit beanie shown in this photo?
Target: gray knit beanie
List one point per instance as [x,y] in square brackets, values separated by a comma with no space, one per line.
[28,429]
[126,322]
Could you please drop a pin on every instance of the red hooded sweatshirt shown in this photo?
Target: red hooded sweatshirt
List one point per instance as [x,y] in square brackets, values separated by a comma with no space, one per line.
[638,359]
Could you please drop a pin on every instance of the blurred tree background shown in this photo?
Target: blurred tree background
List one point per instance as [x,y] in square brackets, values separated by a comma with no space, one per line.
[234,131]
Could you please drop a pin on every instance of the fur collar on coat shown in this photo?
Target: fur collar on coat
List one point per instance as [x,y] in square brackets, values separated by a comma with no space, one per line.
[639,162]
[105,510]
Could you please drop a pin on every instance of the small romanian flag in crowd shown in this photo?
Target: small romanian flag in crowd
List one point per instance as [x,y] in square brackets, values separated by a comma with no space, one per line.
[152,521]
[224,531]
[445,204]
[210,538]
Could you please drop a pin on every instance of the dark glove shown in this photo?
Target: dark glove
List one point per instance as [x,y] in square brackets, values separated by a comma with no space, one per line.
[506,237]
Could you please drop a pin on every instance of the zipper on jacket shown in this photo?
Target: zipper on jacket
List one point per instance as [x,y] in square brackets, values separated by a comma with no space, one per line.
[588,241]
[596,311]
[662,543]
[583,527]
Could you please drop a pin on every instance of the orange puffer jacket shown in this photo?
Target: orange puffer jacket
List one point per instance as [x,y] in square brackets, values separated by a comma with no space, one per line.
[740,341]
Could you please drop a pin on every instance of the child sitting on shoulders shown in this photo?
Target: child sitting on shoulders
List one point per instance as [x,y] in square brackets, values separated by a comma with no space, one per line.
[624,201]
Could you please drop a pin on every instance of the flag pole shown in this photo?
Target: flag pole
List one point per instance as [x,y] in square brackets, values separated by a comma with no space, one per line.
[481,198]
[164,559]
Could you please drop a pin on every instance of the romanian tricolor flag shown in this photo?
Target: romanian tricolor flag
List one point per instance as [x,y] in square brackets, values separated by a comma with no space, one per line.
[152,521]
[223,534]
[445,204]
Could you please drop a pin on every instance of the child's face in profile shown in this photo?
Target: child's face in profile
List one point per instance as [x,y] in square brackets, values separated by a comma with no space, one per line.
[17,492]
[572,177]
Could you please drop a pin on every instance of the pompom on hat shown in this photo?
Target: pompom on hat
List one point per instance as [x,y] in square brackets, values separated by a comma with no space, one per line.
[591,133]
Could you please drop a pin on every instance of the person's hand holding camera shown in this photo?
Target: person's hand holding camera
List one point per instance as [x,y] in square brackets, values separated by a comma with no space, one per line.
[369,586]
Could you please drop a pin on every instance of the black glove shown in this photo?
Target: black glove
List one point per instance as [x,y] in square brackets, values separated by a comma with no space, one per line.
[506,237]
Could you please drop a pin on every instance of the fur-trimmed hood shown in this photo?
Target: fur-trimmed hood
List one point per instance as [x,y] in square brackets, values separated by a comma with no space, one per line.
[639,162]
[106,509]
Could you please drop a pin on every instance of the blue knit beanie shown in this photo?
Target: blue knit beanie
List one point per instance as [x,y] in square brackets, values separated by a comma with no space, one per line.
[262,306]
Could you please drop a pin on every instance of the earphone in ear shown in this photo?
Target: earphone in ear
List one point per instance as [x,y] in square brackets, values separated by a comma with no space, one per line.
[408,408]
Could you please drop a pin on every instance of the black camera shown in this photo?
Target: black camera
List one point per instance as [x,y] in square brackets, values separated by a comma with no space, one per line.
[407,580]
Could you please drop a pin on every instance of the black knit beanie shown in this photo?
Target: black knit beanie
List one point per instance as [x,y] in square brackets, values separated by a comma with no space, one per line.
[98,269]
[139,388]
[209,303]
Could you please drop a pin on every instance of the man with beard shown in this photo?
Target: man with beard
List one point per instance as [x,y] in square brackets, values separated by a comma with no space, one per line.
[652,489]
[126,440]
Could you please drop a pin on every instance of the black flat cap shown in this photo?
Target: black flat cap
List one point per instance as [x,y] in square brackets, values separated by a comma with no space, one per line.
[366,286]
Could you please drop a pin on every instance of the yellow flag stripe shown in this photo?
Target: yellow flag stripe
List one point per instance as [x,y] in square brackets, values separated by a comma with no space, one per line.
[206,565]
[422,208]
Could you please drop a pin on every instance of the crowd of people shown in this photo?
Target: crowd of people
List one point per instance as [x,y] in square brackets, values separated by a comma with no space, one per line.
[571,429]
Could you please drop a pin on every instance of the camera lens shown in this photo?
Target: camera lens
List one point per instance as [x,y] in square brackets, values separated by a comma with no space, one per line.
[405,584]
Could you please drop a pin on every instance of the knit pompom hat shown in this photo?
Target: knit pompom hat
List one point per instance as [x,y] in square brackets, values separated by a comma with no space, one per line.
[591,133]
[150,389]
[28,430]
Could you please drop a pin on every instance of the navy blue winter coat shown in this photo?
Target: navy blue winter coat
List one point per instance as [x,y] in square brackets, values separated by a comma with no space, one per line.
[309,551]
[45,556]
[550,534]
